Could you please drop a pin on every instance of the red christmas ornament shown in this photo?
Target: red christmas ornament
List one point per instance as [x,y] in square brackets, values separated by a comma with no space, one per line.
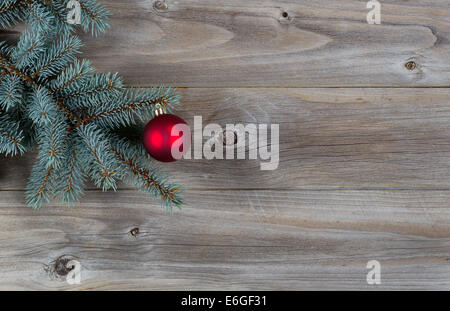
[158,139]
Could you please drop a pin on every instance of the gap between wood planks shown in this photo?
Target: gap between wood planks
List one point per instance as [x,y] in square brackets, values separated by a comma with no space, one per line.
[339,139]
[295,87]
[91,190]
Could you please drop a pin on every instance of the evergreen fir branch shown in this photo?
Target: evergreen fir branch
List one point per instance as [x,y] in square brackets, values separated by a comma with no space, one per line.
[68,113]
[42,109]
[52,151]
[10,5]
[5,49]
[28,128]
[57,57]
[72,78]
[39,188]
[59,13]
[52,143]
[166,97]
[42,14]
[11,137]
[12,12]
[133,105]
[30,46]
[50,99]
[96,157]
[93,15]
[72,179]
[11,69]
[95,90]
[96,15]
[11,90]
[146,177]
[40,18]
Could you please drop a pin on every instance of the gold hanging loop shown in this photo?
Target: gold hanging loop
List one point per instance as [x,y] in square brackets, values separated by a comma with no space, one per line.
[159,109]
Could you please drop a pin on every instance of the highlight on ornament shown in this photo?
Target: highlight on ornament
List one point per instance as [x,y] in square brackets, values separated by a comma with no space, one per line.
[84,124]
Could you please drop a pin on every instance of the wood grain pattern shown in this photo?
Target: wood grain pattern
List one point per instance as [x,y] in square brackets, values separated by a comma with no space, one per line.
[249,43]
[198,43]
[364,154]
[231,240]
[329,139]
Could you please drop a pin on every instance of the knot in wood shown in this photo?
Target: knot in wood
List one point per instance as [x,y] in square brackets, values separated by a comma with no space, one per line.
[284,17]
[231,142]
[160,6]
[61,267]
[411,65]
[134,231]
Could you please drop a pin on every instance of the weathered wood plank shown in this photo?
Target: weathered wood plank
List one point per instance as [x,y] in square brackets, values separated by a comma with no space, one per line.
[329,139]
[249,43]
[231,240]
[364,171]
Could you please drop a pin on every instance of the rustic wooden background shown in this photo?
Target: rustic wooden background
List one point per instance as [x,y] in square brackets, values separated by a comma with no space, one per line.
[364,114]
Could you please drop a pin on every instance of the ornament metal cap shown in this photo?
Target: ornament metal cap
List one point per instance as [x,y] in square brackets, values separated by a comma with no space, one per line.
[159,110]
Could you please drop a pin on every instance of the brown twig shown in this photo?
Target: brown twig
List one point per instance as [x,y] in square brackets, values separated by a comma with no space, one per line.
[15,5]
[12,139]
[41,191]
[66,50]
[144,173]
[163,101]
[68,186]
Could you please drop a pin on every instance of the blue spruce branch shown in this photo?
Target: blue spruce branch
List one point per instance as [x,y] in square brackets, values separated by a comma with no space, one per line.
[11,137]
[71,113]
